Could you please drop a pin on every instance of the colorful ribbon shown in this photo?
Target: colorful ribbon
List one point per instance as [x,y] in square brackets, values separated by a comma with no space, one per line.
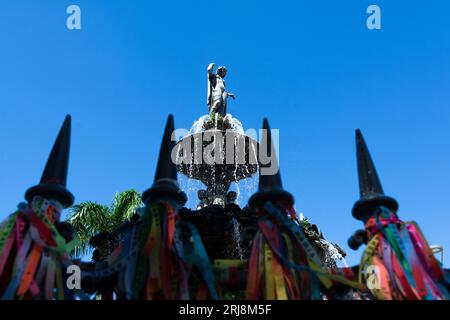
[401,262]
[33,254]
[283,263]
[160,257]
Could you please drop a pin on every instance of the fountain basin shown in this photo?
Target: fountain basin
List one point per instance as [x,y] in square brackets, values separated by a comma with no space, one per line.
[217,157]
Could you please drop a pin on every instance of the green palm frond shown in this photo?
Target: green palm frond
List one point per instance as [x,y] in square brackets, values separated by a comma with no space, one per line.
[124,206]
[90,218]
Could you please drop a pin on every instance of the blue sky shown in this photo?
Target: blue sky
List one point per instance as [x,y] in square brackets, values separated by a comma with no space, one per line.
[311,67]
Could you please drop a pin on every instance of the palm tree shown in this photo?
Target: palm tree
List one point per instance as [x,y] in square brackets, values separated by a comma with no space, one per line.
[91,218]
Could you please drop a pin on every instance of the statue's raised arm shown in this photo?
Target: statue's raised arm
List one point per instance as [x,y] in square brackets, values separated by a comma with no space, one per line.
[211,83]
[211,68]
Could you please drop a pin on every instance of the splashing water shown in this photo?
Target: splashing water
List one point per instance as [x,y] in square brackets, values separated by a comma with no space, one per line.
[236,125]
[190,187]
[332,254]
[237,238]
[244,189]
[198,124]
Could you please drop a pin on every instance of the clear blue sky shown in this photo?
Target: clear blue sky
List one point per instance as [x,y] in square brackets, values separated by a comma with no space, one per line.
[311,67]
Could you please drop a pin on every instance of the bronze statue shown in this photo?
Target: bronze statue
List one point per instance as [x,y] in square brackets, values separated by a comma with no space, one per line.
[217,94]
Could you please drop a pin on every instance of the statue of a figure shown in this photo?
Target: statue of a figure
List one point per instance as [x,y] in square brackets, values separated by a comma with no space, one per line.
[217,94]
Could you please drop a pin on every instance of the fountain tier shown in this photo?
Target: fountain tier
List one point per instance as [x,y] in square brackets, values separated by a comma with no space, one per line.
[217,158]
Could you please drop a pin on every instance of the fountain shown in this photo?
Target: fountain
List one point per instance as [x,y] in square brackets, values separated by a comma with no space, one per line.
[217,153]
